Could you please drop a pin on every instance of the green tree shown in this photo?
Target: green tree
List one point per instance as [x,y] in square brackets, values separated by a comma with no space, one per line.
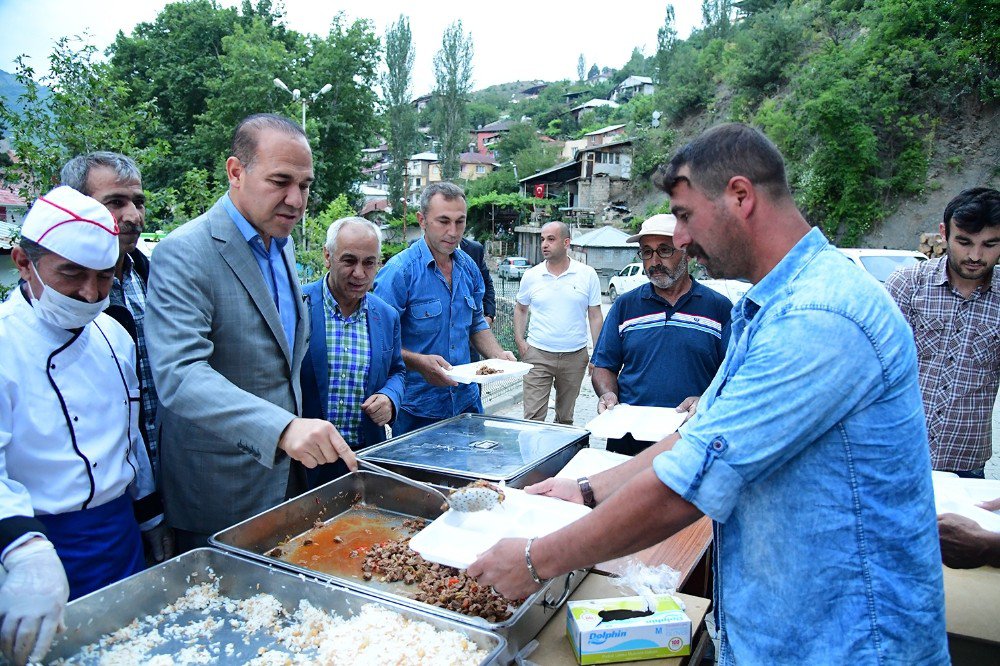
[717,17]
[311,265]
[347,58]
[400,115]
[581,68]
[171,62]
[453,77]
[481,113]
[248,58]
[85,111]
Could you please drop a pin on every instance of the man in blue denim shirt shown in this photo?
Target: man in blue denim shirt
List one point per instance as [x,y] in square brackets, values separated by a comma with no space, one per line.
[809,449]
[438,291]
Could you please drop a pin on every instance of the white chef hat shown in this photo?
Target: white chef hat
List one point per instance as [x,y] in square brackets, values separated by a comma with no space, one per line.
[73,226]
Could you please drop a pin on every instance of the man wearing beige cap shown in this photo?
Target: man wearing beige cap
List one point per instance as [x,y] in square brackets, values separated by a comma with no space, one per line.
[75,481]
[663,342]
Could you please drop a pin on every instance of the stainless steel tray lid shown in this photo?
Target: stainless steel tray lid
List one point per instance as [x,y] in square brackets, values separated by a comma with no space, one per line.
[477,446]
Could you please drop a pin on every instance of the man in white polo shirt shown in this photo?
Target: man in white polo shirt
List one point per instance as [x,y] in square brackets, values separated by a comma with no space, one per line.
[563,296]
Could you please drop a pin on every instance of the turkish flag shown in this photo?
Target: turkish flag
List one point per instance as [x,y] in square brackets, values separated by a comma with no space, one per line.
[540,191]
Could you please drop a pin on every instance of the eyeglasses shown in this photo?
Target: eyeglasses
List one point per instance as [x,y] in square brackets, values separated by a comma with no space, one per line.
[662,252]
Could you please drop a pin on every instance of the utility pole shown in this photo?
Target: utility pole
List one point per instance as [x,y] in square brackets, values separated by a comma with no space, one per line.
[304,100]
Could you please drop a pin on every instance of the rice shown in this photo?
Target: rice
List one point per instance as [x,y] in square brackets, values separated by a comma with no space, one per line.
[376,635]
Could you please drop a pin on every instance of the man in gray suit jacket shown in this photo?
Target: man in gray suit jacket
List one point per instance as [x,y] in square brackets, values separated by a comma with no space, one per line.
[227,334]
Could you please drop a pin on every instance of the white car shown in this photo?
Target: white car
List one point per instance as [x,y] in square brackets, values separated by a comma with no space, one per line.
[627,279]
[513,268]
[731,289]
[633,276]
[881,263]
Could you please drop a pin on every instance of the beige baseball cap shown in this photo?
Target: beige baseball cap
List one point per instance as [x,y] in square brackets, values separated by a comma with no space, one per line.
[73,226]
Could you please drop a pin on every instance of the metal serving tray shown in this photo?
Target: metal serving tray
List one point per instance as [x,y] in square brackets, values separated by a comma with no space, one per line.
[467,447]
[109,609]
[256,536]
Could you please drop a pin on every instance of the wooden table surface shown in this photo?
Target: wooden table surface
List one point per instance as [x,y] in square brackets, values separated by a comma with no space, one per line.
[683,551]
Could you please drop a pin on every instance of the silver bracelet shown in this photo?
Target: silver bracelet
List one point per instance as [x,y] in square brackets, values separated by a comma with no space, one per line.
[531,565]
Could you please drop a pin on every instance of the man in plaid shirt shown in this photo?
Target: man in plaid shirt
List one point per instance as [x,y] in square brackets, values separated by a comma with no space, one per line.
[352,375]
[953,306]
[115,181]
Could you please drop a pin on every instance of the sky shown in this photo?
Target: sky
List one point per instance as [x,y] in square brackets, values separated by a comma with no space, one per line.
[513,40]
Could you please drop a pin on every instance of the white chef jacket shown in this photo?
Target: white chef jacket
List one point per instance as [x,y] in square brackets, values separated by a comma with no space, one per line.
[54,461]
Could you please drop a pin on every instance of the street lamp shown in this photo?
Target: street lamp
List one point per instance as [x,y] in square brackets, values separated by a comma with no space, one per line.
[304,100]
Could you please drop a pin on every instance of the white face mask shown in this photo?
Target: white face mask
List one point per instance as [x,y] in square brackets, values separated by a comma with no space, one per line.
[61,310]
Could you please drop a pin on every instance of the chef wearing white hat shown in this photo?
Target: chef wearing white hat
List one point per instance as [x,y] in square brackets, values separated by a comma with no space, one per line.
[75,480]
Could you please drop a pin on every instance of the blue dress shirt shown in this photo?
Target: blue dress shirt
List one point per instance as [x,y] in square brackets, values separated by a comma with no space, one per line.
[434,320]
[809,452]
[272,266]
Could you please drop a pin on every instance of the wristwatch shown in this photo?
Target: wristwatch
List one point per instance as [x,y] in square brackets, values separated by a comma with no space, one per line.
[587,492]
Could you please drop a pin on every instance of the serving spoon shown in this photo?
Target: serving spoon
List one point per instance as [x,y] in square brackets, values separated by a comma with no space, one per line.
[463,500]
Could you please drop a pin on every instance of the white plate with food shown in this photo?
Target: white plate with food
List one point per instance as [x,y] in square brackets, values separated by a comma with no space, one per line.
[457,539]
[488,371]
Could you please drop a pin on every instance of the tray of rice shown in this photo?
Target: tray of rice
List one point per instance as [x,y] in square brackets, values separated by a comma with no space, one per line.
[210,607]
[354,532]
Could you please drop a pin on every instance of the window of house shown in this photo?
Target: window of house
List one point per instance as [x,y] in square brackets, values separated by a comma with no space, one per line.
[480,168]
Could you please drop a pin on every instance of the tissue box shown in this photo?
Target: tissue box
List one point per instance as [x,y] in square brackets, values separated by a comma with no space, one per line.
[604,631]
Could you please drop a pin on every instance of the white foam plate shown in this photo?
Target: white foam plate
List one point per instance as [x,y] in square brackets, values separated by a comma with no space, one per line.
[466,373]
[648,424]
[457,539]
[955,495]
[588,462]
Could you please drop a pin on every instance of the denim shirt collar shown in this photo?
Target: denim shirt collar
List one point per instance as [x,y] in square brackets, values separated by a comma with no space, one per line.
[246,229]
[777,280]
[427,259]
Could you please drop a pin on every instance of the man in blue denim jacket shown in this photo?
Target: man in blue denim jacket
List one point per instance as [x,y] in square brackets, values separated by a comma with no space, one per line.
[808,451]
[438,291]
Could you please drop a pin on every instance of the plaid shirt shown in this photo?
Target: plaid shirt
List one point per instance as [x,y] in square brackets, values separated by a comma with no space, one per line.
[348,350]
[130,292]
[958,354]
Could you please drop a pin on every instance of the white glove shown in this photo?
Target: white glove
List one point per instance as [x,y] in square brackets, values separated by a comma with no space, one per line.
[32,601]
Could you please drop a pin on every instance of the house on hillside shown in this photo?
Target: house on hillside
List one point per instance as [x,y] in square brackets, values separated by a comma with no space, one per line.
[532,92]
[424,168]
[605,249]
[600,77]
[571,147]
[605,171]
[632,86]
[553,183]
[594,181]
[592,104]
[421,170]
[476,165]
[377,175]
[12,211]
[604,135]
[420,103]
[487,135]
[12,208]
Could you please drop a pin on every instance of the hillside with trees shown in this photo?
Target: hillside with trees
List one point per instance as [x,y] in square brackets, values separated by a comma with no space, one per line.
[878,106]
